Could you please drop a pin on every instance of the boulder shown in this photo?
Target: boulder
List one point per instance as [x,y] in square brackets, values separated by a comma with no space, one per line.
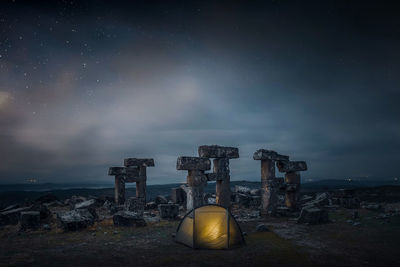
[255,192]
[116,208]
[242,189]
[30,220]
[262,228]
[11,217]
[161,200]
[313,215]
[74,200]
[11,207]
[75,219]
[169,211]
[151,205]
[85,204]
[242,199]
[177,195]
[128,218]
[108,205]
[135,204]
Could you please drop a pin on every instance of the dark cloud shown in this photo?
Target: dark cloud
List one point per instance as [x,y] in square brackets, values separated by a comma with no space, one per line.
[85,84]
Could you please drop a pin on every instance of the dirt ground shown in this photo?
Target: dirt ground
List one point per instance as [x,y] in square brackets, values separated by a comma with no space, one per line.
[372,242]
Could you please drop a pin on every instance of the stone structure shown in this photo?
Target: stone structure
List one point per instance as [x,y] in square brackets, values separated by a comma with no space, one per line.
[196,179]
[292,180]
[220,174]
[269,183]
[133,172]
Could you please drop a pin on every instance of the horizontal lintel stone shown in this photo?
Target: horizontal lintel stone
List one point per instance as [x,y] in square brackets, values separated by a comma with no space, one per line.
[291,166]
[117,171]
[263,154]
[136,162]
[215,151]
[193,163]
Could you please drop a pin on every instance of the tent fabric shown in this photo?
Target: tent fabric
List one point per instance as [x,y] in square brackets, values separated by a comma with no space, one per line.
[209,227]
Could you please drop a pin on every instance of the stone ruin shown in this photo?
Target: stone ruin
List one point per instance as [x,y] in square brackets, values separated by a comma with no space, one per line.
[197,178]
[133,172]
[270,184]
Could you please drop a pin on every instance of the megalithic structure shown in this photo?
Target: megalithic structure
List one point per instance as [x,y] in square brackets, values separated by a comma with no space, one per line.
[292,180]
[133,172]
[269,183]
[221,171]
[196,179]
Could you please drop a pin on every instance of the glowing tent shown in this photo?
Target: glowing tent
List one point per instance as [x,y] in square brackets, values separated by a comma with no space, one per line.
[209,227]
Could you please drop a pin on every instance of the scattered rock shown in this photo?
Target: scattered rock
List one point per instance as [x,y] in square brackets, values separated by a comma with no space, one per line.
[30,220]
[161,200]
[11,217]
[168,210]
[135,204]
[255,192]
[242,189]
[85,204]
[371,206]
[151,206]
[75,219]
[313,215]
[11,207]
[128,218]
[46,227]
[262,228]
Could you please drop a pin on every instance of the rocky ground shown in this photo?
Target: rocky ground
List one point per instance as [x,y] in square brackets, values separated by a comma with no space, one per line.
[360,234]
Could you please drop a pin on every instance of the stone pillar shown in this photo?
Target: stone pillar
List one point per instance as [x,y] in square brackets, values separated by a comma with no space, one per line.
[196,179]
[221,172]
[133,172]
[141,184]
[137,172]
[269,183]
[292,180]
[119,189]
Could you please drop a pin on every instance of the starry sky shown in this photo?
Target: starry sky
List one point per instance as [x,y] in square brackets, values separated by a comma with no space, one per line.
[84,85]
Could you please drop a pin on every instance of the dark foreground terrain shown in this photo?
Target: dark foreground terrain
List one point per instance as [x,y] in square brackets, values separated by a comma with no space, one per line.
[372,238]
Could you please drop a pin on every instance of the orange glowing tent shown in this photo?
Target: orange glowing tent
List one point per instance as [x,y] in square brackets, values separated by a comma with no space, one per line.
[209,227]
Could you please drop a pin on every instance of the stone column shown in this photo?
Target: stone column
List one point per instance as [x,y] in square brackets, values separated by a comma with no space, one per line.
[196,179]
[119,189]
[221,172]
[269,183]
[141,184]
[292,180]
[137,172]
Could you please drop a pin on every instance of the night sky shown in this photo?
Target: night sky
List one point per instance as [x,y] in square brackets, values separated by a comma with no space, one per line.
[84,85]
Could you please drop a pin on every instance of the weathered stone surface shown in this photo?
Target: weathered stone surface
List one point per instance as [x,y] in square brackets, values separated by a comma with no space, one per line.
[30,220]
[161,200]
[255,192]
[117,171]
[291,166]
[313,215]
[193,163]
[11,207]
[74,200]
[136,162]
[116,208]
[42,209]
[128,218]
[177,195]
[169,211]
[215,151]
[85,204]
[75,219]
[11,217]
[135,204]
[254,201]
[263,154]
[151,205]
[242,189]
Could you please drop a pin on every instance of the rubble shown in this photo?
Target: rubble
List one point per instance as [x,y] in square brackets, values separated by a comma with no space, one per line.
[135,204]
[262,228]
[169,211]
[161,200]
[75,219]
[11,217]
